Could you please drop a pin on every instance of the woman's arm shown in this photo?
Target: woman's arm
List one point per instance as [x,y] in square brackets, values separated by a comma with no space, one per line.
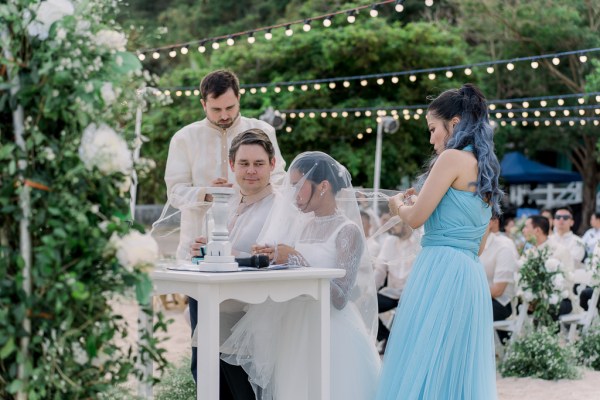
[449,167]
[349,247]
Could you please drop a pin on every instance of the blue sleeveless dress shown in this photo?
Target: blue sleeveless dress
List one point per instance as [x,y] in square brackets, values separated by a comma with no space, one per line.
[441,346]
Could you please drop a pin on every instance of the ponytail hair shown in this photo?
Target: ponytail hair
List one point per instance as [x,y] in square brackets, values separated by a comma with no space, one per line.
[470,106]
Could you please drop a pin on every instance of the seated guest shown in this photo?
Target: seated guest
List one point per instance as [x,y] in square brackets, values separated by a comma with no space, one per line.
[548,214]
[592,236]
[395,261]
[499,258]
[536,229]
[563,222]
[372,245]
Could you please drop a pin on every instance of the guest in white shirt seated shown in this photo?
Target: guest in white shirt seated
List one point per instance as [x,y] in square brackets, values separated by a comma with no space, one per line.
[537,228]
[592,236]
[499,258]
[563,222]
[395,261]
[550,215]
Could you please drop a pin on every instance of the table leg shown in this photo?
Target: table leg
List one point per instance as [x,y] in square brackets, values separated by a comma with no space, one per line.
[208,343]
[320,352]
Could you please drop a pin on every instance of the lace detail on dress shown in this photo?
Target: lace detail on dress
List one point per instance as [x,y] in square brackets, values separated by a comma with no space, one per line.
[349,249]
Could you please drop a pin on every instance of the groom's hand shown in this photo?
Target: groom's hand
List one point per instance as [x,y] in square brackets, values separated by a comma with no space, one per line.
[196,245]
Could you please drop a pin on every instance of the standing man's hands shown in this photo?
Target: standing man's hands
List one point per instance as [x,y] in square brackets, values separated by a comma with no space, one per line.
[219,182]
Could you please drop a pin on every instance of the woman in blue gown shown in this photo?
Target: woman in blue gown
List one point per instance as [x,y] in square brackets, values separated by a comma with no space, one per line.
[441,346]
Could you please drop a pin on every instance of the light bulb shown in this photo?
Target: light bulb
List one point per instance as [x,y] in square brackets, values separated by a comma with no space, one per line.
[543,103]
[156,55]
[306,27]
[431,76]
[490,70]
[317,86]
[412,78]
[534,64]
[399,8]
[288,129]
[268,35]
[277,89]
[184,50]
[449,74]
[331,85]
[351,18]
[172,53]
[201,48]
[525,104]
[360,136]
[380,81]
[468,71]
[230,42]
[556,61]
[215,45]
[560,102]
[510,66]
[141,56]
[364,82]
[583,58]
[428,3]
[289,31]
[373,13]
[251,38]
[581,100]
[395,79]
[327,22]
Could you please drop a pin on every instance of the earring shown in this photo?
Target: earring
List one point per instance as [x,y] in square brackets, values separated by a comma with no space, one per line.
[322,192]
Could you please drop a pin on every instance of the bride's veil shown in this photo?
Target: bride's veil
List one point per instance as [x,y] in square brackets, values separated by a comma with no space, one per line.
[287,223]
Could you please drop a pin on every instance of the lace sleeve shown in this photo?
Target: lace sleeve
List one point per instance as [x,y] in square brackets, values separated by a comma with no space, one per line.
[349,249]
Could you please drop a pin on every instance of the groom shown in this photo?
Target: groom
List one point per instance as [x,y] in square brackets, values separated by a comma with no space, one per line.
[252,160]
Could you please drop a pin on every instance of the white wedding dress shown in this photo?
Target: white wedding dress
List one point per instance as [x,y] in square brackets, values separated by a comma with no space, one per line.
[270,341]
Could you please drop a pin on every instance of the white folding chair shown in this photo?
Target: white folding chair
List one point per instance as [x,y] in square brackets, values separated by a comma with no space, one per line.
[513,324]
[583,318]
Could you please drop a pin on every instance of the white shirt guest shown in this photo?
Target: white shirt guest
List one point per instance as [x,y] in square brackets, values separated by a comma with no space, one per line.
[592,236]
[563,222]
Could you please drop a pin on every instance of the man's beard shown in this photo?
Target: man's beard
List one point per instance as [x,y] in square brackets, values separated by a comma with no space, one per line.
[225,125]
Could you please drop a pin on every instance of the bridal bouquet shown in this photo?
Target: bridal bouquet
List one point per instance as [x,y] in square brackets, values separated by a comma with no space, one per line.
[542,283]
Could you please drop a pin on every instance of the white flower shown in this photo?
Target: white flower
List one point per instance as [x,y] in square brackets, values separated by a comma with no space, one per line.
[61,33]
[552,264]
[48,13]
[553,299]
[558,281]
[103,226]
[135,250]
[103,148]
[89,87]
[528,295]
[111,39]
[564,294]
[80,356]
[107,93]
[124,185]
[49,154]
[95,208]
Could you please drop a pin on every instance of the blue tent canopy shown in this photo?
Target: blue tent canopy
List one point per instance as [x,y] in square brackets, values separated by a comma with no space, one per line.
[516,168]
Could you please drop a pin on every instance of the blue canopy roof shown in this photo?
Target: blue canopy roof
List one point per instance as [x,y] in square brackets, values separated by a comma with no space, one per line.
[516,168]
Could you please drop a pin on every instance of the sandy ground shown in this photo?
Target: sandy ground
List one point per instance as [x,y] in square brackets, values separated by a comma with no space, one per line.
[588,387]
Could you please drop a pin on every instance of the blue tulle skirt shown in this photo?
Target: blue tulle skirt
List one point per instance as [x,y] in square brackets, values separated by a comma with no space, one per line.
[441,346]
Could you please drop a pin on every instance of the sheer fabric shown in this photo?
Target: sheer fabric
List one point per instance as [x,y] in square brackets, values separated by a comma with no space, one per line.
[270,342]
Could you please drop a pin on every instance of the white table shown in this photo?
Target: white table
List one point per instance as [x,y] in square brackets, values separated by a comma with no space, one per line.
[210,289]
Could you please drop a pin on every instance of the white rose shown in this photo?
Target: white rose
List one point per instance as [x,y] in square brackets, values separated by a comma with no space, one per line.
[80,356]
[564,294]
[552,264]
[558,281]
[136,250]
[48,13]
[49,154]
[553,299]
[111,39]
[124,185]
[95,208]
[103,148]
[107,93]
[528,295]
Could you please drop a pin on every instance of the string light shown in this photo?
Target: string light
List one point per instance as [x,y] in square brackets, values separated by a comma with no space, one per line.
[289,31]
[399,7]
[351,18]
[306,26]
[230,41]
[583,58]
[215,45]
[327,22]
[534,64]
[373,13]
[201,48]
[184,50]
[251,38]
[428,3]
[268,35]
[510,66]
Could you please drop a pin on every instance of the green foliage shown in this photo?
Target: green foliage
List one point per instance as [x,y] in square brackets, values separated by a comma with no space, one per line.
[588,348]
[177,383]
[62,330]
[542,282]
[539,355]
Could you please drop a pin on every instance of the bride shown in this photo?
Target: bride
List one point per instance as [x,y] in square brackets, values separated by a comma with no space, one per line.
[317,223]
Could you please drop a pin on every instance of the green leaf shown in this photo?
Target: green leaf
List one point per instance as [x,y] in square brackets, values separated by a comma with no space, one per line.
[143,289]
[129,63]
[8,348]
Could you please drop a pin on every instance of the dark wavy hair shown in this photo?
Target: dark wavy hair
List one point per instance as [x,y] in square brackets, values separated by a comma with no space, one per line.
[470,106]
[322,167]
